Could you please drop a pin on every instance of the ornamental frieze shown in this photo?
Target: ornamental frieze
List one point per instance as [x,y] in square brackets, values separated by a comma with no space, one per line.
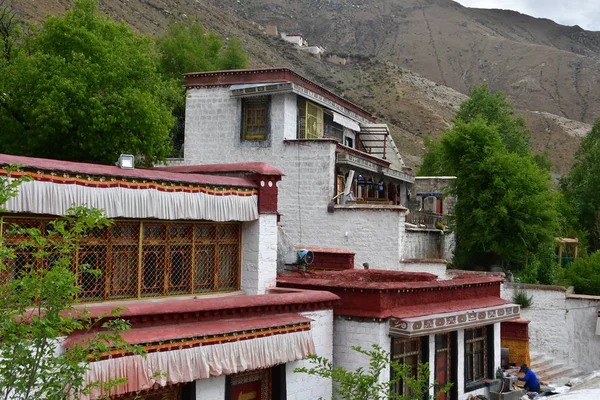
[440,323]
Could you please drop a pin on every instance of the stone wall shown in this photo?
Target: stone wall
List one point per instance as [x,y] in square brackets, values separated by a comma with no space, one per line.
[212,135]
[432,266]
[562,325]
[310,387]
[350,333]
[259,248]
[213,388]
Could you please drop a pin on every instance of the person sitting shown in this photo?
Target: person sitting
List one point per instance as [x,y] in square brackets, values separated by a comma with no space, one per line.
[531,381]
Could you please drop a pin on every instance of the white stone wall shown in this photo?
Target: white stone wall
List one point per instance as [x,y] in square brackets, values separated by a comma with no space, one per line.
[429,266]
[212,135]
[422,243]
[309,387]
[259,254]
[348,333]
[210,389]
[562,325]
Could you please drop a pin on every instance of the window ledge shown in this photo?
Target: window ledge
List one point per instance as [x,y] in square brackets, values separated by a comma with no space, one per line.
[480,384]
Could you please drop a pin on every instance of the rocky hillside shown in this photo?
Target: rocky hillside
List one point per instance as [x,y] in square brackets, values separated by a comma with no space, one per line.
[451,47]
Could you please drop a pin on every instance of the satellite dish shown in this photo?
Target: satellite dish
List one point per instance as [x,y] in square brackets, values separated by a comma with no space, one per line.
[305,257]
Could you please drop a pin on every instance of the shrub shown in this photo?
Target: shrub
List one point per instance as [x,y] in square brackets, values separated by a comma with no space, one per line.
[584,274]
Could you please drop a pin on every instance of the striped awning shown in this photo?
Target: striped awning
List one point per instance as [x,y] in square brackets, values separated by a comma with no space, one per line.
[204,350]
[130,199]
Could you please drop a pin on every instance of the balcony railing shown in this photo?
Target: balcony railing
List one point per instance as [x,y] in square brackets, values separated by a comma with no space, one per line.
[423,219]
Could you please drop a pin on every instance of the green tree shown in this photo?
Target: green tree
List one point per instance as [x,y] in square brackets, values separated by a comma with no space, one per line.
[11,33]
[496,111]
[505,210]
[187,47]
[584,274]
[362,384]
[86,89]
[38,307]
[581,186]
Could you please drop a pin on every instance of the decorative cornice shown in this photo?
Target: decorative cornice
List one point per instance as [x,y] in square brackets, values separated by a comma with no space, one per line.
[208,340]
[440,323]
[111,182]
[264,75]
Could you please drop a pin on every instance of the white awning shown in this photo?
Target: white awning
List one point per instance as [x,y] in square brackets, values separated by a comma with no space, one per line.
[137,200]
[346,122]
[202,362]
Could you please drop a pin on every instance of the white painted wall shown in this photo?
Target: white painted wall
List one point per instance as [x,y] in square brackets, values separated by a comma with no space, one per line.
[212,135]
[210,389]
[309,387]
[348,333]
[259,254]
[562,325]
[430,266]
[426,243]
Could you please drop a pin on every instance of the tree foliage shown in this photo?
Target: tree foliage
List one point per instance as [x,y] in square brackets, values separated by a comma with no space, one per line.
[86,89]
[187,47]
[582,186]
[505,209]
[11,33]
[38,309]
[362,384]
[584,274]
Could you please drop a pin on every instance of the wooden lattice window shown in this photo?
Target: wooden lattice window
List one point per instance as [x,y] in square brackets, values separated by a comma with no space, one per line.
[475,354]
[407,352]
[310,120]
[255,114]
[136,259]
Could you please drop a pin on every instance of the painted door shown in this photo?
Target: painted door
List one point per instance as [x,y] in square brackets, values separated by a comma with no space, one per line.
[443,363]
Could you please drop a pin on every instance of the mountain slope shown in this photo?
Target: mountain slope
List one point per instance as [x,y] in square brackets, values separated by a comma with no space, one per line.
[414,106]
[539,64]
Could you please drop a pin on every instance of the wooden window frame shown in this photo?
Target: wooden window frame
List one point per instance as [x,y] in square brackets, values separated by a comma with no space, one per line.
[401,387]
[253,110]
[473,376]
[136,240]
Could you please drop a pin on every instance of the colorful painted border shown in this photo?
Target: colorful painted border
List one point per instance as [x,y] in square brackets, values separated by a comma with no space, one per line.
[114,183]
[187,343]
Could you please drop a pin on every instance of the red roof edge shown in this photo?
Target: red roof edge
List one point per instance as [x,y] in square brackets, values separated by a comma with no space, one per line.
[260,168]
[157,174]
[263,75]
[213,304]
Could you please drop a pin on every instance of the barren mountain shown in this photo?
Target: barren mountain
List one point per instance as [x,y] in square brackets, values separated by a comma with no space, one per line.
[542,66]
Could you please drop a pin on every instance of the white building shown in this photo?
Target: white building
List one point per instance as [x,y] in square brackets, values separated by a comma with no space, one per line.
[192,259]
[321,142]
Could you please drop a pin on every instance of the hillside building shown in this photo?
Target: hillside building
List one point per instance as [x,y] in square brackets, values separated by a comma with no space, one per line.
[192,259]
[324,145]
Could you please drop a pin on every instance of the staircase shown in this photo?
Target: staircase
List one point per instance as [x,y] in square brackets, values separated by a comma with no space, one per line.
[549,369]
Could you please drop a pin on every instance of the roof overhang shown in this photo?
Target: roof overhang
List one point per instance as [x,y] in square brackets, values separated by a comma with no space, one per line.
[201,350]
[451,321]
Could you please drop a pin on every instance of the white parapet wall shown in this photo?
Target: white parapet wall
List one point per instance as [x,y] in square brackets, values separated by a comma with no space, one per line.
[311,387]
[562,324]
[212,135]
[259,254]
[350,333]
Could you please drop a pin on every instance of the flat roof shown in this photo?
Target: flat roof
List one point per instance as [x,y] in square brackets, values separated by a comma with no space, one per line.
[258,75]
[260,168]
[153,174]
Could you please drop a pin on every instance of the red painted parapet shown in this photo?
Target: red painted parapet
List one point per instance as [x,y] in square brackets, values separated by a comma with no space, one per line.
[330,258]
[517,329]
[267,192]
